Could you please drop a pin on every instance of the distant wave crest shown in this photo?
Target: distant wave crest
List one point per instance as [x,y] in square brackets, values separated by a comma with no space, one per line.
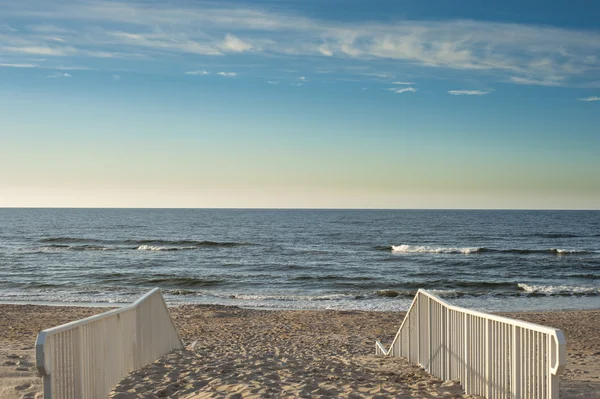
[559,289]
[55,244]
[191,243]
[161,248]
[64,247]
[435,250]
[476,250]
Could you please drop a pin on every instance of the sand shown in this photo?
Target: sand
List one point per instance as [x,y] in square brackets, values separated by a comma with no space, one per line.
[243,353]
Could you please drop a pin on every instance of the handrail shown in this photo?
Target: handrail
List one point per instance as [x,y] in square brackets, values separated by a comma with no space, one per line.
[492,356]
[88,357]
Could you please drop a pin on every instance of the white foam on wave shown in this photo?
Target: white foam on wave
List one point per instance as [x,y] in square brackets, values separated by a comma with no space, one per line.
[160,248]
[433,250]
[558,289]
[564,251]
[254,297]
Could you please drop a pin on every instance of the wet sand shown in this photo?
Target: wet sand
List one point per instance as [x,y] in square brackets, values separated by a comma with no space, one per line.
[245,353]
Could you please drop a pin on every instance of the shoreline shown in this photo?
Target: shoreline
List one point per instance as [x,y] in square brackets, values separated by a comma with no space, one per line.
[291,347]
[452,301]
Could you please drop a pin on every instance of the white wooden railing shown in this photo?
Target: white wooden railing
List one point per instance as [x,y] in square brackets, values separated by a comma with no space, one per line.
[85,359]
[490,355]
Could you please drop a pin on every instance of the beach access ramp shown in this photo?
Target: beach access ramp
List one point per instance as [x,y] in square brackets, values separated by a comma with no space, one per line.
[492,356]
[86,358]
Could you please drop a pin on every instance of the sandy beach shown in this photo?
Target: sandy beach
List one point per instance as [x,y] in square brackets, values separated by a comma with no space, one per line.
[243,353]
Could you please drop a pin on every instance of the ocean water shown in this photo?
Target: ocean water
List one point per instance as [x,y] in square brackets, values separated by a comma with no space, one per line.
[302,259]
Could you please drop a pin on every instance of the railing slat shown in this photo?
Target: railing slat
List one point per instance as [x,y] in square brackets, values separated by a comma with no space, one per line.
[492,356]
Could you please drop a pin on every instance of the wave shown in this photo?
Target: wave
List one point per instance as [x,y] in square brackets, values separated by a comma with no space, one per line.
[437,250]
[267,297]
[560,290]
[478,250]
[160,248]
[190,243]
[556,235]
[153,242]
[68,239]
[182,282]
[585,276]
[332,277]
[64,247]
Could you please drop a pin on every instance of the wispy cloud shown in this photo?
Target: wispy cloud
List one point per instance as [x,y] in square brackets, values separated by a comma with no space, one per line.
[517,53]
[40,50]
[379,75]
[469,92]
[58,75]
[72,68]
[593,98]
[550,81]
[116,77]
[201,72]
[19,65]
[403,90]
[403,83]
[232,43]
[273,82]
[227,74]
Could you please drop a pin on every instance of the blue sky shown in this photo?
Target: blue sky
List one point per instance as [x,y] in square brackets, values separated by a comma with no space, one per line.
[379,104]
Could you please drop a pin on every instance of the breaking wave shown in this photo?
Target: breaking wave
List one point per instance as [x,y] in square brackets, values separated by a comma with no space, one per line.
[434,250]
[477,250]
[57,244]
[181,282]
[64,247]
[189,243]
[161,248]
[560,289]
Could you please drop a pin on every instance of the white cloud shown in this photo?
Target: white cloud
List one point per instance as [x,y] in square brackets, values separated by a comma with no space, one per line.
[234,44]
[40,50]
[469,92]
[403,83]
[71,68]
[227,74]
[302,78]
[116,77]
[201,72]
[517,53]
[325,50]
[58,75]
[19,65]
[404,90]
[556,81]
[380,75]
[593,98]
[273,82]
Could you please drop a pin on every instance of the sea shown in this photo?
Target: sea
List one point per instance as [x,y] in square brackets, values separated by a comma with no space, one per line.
[373,260]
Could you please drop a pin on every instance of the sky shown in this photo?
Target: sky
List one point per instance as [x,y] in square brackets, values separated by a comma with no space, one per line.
[300,104]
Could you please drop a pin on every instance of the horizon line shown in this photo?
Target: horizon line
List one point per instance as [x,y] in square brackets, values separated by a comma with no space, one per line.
[304,209]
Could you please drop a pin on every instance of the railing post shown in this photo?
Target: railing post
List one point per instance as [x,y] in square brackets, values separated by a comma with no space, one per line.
[418,328]
[488,351]
[447,345]
[430,334]
[466,357]
[516,364]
